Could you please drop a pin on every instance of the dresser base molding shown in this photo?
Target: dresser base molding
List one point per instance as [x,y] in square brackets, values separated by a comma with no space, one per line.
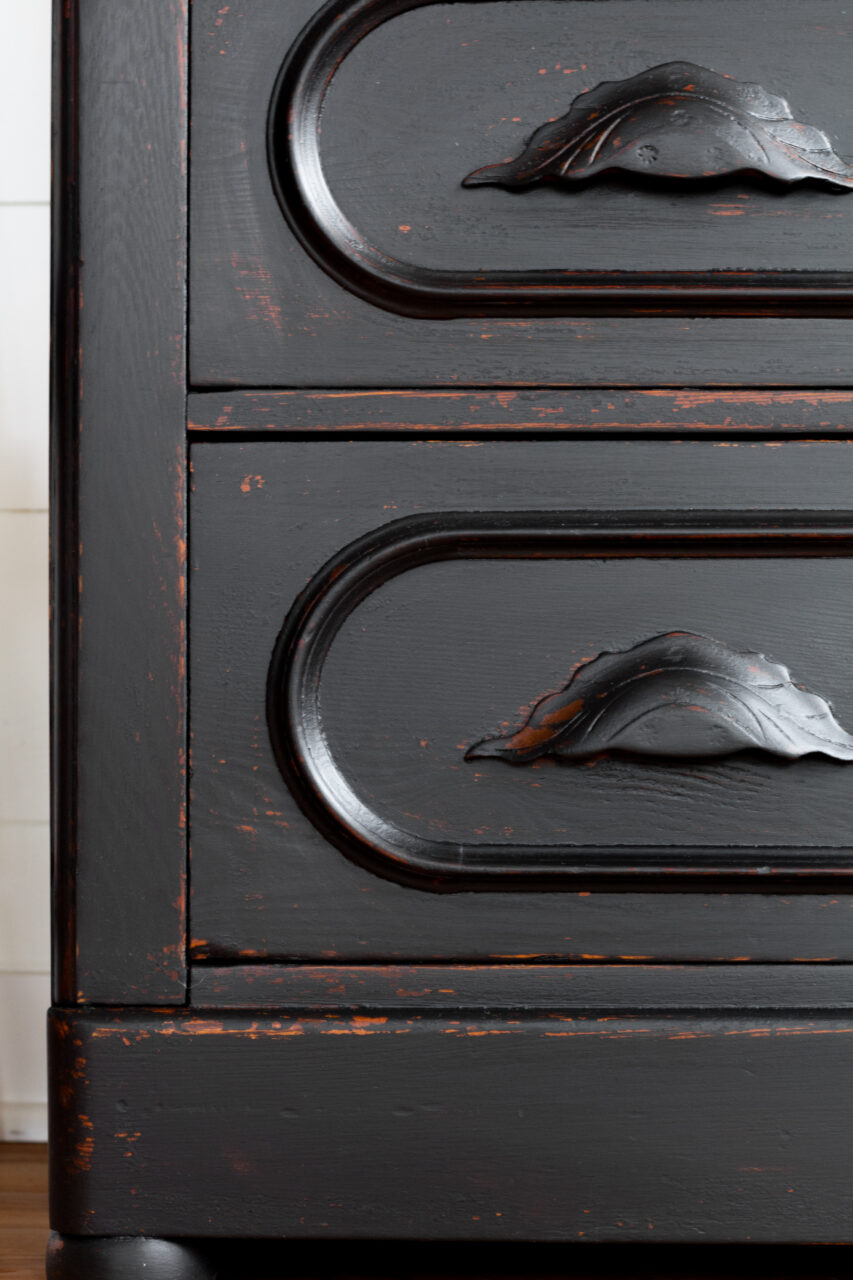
[524,1125]
[145,1258]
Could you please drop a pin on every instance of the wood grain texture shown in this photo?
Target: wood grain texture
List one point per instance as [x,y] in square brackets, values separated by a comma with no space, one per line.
[535,413]
[621,987]
[266,518]
[265,314]
[705,126]
[503,1128]
[24,1219]
[393,774]
[119,537]
[503,69]
[23,1210]
[693,1090]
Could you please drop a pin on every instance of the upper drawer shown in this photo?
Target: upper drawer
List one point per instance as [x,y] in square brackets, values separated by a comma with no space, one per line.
[398,191]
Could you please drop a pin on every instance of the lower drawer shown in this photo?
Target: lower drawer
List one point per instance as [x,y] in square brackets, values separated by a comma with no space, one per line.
[401,748]
[533,1127]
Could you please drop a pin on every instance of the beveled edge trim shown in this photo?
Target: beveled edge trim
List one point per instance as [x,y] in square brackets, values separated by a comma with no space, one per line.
[295,675]
[343,252]
[627,986]
[522,411]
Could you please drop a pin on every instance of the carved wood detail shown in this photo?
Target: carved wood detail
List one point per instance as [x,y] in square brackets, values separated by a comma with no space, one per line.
[305,756]
[679,122]
[349,256]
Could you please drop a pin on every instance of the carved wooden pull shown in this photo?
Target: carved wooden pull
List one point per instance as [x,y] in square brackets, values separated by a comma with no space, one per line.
[676,121]
[679,695]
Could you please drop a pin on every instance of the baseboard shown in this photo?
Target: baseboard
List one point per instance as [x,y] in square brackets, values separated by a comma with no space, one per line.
[23,1122]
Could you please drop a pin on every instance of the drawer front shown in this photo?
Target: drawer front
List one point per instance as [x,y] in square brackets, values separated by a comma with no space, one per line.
[402,747]
[564,1129]
[407,192]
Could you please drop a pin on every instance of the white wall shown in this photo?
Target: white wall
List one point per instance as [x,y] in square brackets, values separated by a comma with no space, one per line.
[24,339]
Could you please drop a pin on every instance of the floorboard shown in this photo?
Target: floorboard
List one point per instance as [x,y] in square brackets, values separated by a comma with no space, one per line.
[23,1210]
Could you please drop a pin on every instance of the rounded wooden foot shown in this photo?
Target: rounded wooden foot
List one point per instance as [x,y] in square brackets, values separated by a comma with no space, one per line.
[125,1258]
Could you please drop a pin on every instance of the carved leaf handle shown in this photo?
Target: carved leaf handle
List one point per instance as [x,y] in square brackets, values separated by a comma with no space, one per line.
[677,121]
[677,695]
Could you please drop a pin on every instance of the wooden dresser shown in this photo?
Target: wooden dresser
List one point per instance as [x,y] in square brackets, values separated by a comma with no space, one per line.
[453,600]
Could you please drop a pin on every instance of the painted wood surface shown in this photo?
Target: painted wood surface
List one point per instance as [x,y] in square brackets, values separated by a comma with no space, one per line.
[534,270]
[658,1062]
[380,764]
[624,988]
[118,492]
[267,884]
[23,1179]
[540,1126]
[267,314]
[536,413]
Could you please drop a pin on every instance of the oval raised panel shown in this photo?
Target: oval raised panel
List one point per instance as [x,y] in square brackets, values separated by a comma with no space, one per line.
[418,638]
[383,108]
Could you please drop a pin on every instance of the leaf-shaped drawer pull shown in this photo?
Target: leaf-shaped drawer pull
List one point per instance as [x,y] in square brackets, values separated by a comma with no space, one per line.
[676,121]
[678,695]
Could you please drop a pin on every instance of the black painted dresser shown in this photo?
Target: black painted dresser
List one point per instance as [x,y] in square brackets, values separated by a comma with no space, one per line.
[453,600]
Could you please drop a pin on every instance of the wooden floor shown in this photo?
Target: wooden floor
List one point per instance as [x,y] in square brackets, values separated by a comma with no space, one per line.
[23,1210]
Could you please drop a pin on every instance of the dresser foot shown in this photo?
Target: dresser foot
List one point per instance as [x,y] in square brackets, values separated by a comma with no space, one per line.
[125,1258]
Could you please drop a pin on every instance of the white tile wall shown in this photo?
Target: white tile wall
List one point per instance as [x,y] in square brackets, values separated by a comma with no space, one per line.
[24,760]
[25,102]
[24,329]
[24,997]
[25,333]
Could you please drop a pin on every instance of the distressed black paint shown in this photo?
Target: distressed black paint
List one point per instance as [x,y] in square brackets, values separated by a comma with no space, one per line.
[453,79]
[680,697]
[119,538]
[630,1058]
[535,1127]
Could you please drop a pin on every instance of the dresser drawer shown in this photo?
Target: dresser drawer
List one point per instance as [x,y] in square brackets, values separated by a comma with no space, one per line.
[399,750]
[490,571]
[536,191]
